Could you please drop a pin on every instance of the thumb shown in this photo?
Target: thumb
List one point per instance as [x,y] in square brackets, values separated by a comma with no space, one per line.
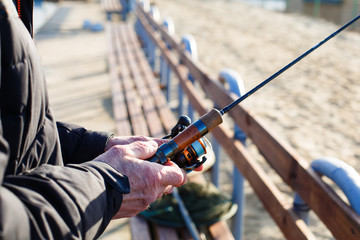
[173,175]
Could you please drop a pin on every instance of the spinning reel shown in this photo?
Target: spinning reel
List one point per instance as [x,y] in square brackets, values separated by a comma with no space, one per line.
[188,158]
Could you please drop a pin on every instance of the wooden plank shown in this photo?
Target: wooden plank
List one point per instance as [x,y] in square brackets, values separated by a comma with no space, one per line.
[167,117]
[134,104]
[138,66]
[220,231]
[164,233]
[174,65]
[111,6]
[139,229]
[119,106]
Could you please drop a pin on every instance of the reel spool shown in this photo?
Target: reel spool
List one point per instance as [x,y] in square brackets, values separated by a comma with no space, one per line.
[188,159]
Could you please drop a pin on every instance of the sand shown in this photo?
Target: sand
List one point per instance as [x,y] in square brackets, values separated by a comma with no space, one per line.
[314,106]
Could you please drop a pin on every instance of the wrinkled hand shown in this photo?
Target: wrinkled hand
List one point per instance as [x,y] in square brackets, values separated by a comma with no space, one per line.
[148,181]
[124,140]
[130,139]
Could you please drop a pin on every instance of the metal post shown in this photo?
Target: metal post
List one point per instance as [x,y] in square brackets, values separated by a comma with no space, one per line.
[186,216]
[190,46]
[145,4]
[236,86]
[317,4]
[155,14]
[125,9]
[181,99]
[215,177]
[165,71]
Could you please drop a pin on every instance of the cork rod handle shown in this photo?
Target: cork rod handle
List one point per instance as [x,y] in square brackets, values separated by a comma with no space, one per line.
[198,129]
[212,119]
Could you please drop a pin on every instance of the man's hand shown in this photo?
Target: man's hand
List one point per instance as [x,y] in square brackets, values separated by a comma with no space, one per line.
[124,140]
[148,181]
[130,139]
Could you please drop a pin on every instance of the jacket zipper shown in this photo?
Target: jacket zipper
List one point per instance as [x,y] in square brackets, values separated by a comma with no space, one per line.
[19,8]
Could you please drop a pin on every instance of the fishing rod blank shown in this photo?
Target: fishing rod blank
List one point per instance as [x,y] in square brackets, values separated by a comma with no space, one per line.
[246,95]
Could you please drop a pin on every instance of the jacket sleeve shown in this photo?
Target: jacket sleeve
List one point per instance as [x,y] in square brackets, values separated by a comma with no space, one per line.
[78,144]
[53,202]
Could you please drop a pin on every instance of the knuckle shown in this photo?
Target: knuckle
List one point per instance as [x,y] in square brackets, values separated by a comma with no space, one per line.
[118,149]
[143,138]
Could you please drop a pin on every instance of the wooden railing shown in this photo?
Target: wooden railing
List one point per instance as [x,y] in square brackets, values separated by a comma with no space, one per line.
[339,218]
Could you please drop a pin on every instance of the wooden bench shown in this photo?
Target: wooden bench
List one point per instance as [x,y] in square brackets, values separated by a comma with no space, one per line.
[141,109]
[295,171]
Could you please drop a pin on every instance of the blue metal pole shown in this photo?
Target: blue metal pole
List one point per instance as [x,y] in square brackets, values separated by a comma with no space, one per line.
[189,43]
[215,177]
[238,191]
[301,208]
[186,216]
[155,14]
[165,71]
[180,99]
[236,86]
[145,4]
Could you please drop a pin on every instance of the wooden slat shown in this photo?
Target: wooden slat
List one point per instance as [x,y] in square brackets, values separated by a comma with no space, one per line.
[119,106]
[167,117]
[217,231]
[137,119]
[139,229]
[164,233]
[140,73]
[111,5]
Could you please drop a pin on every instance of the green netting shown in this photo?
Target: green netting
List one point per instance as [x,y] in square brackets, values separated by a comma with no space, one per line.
[205,203]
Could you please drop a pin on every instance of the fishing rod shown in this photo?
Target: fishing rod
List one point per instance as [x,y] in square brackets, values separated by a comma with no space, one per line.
[188,141]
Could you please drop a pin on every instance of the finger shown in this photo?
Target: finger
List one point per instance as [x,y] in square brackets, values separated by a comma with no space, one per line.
[124,140]
[143,150]
[173,175]
[168,189]
[131,139]
[160,141]
[199,169]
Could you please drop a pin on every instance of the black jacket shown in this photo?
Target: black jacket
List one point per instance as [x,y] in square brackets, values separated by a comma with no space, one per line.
[48,189]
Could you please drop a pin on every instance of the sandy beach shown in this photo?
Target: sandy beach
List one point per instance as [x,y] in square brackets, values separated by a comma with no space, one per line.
[314,106]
